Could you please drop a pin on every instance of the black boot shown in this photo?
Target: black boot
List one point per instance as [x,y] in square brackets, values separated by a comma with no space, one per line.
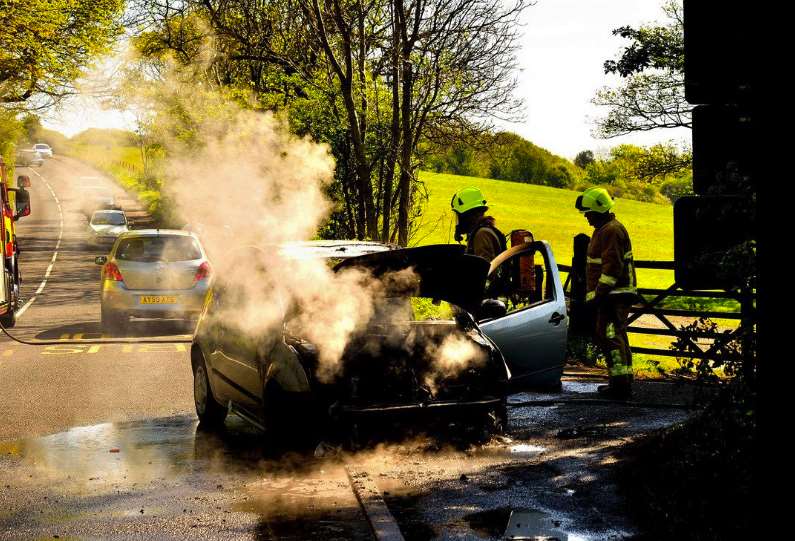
[618,388]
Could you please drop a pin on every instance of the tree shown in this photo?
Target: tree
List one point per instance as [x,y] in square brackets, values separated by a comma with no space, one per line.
[391,73]
[584,159]
[652,66]
[46,44]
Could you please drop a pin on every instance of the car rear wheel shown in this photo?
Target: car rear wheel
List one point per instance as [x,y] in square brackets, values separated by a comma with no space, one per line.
[113,322]
[211,413]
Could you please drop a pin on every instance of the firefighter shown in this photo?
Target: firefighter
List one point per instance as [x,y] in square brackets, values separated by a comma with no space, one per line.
[483,237]
[610,286]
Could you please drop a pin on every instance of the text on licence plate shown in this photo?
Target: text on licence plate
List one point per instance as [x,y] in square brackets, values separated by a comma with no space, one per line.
[158,299]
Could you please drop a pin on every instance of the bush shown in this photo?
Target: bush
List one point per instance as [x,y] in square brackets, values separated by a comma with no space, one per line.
[675,188]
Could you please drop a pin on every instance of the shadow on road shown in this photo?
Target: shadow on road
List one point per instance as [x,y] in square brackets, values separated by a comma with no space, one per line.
[137,328]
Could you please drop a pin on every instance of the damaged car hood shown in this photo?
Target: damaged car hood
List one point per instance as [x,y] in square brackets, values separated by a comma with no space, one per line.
[440,272]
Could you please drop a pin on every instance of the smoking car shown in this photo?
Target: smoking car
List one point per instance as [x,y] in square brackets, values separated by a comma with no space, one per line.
[152,273]
[389,367]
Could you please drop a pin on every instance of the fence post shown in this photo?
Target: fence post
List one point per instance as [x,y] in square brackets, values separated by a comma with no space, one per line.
[579,316]
[747,326]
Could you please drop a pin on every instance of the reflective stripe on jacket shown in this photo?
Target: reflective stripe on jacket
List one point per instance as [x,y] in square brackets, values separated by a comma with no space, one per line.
[610,269]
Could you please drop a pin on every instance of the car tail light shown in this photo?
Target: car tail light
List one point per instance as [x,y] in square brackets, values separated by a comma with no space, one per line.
[202,272]
[111,272]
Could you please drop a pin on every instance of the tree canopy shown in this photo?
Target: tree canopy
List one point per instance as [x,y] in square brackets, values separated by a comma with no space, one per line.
[373,79]
[651,94]
[45,45]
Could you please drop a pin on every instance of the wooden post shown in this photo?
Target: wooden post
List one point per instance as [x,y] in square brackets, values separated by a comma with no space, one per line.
[747,322]
[579,313]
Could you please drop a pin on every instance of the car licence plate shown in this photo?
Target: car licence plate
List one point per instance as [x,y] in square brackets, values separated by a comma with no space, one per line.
[158,299]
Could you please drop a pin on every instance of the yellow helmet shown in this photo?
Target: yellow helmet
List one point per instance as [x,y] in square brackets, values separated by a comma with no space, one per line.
[594,200]
[467,199]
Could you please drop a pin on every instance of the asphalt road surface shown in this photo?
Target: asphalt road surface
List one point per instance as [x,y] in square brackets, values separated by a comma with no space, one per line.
[100,441]
[51,388]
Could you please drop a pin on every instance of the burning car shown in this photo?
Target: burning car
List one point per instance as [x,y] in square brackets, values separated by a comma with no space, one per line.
[459,362]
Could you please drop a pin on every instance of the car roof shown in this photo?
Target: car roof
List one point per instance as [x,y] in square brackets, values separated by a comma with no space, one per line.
[157,233]
[336,249]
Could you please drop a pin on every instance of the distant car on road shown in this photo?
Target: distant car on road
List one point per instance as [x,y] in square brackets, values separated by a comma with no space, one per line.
[152,273]
[28,158]
[44,149]
[105,226]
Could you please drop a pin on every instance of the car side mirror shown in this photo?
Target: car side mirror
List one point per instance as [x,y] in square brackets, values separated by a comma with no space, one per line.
[100,260]
[491,309]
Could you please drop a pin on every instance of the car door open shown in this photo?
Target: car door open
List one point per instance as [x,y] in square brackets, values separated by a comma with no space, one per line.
[532,333]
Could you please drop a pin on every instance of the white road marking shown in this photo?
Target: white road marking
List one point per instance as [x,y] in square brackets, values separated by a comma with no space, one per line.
[54,254]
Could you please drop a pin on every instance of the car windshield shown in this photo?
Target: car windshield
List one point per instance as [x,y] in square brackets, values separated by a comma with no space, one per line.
[43,147]
[158,249]
[108,218]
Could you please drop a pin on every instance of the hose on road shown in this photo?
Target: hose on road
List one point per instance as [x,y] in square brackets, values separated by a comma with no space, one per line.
[597,401]
[61,342]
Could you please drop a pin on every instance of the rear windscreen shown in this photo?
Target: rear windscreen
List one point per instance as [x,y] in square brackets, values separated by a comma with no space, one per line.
[108,218]
[158,249]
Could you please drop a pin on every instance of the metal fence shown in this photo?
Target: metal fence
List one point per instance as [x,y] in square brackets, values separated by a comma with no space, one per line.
[651,302]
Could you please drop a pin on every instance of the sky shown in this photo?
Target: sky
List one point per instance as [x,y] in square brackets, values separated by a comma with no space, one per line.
[564,46]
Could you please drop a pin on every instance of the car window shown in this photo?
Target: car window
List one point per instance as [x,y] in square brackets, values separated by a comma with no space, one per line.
[108,218]
[521,281]
[168,249]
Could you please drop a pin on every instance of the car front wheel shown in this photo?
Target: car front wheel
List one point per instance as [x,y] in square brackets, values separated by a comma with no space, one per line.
[210,412]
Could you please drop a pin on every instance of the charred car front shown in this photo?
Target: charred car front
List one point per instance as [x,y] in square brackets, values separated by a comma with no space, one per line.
[422,353]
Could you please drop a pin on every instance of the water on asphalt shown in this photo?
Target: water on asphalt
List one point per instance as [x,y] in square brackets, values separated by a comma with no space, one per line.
[167,478]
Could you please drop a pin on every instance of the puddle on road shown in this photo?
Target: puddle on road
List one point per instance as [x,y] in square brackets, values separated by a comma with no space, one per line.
[106,476]
[141,451]
[537,525]
[515,524]
[568,388]
[110,452]
[580,387]
[525,450]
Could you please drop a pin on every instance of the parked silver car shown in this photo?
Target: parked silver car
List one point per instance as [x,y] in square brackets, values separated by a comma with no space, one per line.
[105,226]
[152,273]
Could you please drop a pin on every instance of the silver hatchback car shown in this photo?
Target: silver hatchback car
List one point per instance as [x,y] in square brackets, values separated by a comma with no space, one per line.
[153,273]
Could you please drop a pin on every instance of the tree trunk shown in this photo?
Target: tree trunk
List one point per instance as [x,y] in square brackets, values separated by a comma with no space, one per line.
[404,185]
[394,143]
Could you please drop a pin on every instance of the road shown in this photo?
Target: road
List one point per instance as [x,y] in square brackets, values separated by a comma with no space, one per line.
[100,441]
[52,388]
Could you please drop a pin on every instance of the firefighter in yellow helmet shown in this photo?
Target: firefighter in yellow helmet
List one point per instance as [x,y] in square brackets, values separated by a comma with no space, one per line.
[483,237]
[611,286]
